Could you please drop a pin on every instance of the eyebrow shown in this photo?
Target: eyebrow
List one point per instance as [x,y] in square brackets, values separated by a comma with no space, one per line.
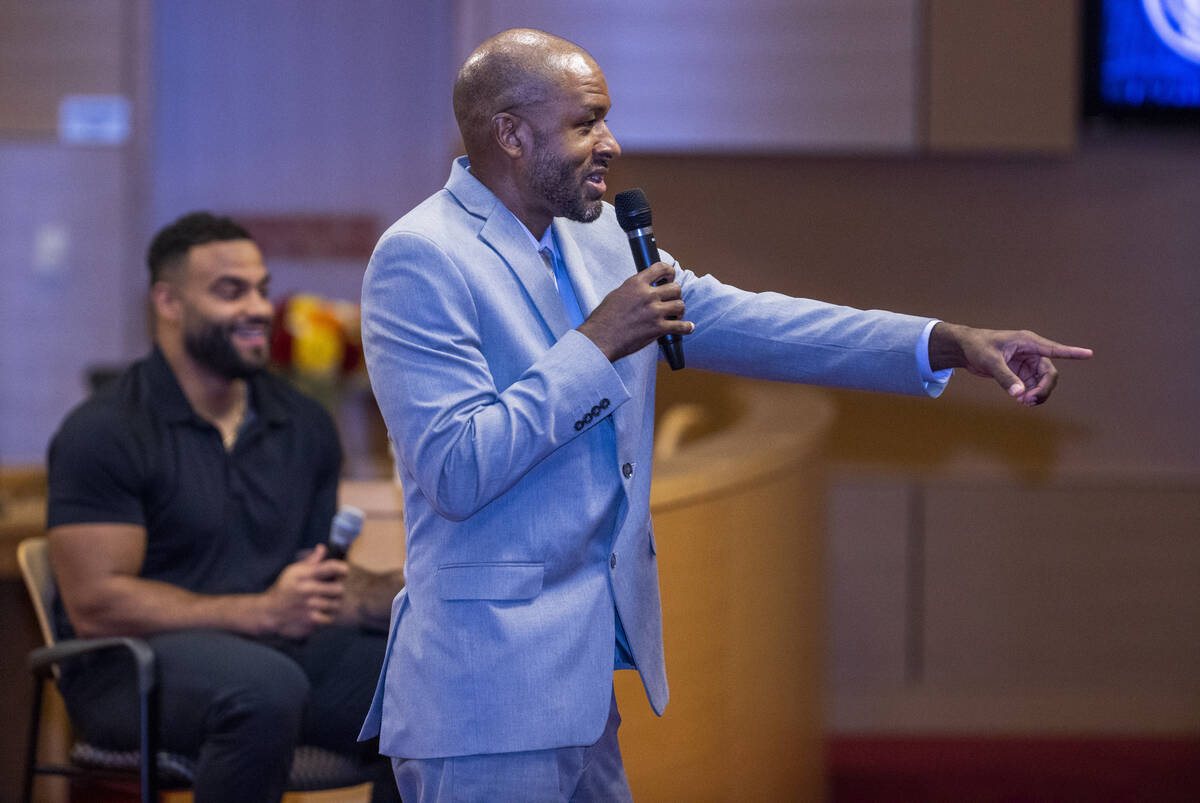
[239,280]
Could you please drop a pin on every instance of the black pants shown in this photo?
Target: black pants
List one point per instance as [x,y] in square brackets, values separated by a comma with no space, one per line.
[239,705]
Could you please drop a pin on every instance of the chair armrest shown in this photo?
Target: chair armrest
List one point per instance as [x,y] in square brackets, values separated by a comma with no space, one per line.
[43,659]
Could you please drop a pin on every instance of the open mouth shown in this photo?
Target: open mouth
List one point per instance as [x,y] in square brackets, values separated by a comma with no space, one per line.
[596,179]
[251,334]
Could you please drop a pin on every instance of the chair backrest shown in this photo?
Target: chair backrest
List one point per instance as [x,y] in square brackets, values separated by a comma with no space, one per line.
[34,559]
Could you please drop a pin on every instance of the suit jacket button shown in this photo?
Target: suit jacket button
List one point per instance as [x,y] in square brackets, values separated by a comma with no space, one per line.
[578,425]
[612,561]
[627,470]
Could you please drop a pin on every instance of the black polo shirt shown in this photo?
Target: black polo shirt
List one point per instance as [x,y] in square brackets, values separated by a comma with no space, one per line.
[217,522]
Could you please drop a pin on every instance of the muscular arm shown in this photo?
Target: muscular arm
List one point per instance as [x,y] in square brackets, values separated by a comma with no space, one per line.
[97,564]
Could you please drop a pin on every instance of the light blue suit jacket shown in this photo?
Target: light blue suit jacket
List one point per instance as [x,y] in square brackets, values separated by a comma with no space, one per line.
[525,459]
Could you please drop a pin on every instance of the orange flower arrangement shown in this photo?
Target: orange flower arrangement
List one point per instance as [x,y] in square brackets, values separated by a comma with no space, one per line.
[316,338]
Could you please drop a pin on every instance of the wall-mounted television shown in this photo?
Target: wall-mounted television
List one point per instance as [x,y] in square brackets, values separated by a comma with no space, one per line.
[1142,59]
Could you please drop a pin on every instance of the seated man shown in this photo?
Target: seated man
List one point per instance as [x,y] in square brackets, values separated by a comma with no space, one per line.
[189,502]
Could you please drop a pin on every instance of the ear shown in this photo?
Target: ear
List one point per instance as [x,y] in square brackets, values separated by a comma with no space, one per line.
[165,300]
[511,133]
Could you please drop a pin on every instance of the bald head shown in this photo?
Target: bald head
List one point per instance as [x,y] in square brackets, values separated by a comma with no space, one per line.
[515,69]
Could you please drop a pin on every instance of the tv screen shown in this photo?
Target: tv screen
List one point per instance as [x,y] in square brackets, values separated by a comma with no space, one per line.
[1144,58]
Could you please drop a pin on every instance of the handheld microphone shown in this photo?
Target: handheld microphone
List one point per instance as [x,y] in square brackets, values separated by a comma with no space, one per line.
[633,215]
[346,526]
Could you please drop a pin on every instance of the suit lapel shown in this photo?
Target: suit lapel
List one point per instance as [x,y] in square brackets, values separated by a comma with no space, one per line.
[508,238]
[505,234]
[577,269]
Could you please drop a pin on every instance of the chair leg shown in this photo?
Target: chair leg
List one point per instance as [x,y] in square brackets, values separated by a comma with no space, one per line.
[149,717]
[35,727]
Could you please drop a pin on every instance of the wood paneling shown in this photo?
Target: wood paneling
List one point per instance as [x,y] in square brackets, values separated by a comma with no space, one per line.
[53,48]
[1099,249]
[1064,607]
[1002,75]
[1063,588]
[737,522]
[870,612]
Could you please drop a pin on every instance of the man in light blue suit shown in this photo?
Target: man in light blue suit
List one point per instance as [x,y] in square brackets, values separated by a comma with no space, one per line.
[511,347]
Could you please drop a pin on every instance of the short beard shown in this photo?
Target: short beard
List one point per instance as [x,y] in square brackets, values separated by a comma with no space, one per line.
[556,181]
[211,345]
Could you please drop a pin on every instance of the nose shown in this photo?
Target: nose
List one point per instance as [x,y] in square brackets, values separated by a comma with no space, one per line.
[607,144]
[260,305]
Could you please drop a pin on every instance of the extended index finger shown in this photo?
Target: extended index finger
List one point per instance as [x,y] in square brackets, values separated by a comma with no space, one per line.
[1049,348]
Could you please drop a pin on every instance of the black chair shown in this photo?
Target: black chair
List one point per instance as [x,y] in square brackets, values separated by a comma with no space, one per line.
[313,768]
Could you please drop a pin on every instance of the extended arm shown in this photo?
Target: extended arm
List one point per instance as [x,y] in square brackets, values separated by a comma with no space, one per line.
[97,566]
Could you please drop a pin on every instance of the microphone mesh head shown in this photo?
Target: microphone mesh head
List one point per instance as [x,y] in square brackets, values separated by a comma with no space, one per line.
[633,210]
[346,526]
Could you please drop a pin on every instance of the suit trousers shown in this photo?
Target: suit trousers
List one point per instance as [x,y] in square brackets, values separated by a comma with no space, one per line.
[238,705]
[592,774]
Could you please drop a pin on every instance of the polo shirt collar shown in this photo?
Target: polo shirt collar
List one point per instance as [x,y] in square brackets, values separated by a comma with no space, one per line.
[170,399]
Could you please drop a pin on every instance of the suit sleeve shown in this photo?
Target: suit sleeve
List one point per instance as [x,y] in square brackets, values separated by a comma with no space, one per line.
[773,336]
[465,440]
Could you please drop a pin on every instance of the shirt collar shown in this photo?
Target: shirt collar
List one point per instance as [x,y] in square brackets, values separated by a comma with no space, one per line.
[547,243]
[170,399]
[547,240]
[479,200]
[164,389]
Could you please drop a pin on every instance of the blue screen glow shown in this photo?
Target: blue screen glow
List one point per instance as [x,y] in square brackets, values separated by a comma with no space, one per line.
[1150,54]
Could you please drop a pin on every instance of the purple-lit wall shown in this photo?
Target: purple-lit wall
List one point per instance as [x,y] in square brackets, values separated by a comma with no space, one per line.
[334,108]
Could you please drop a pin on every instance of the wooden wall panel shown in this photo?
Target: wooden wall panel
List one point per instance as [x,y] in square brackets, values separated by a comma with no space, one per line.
[870,603]
[52,48]
[1002,75]
[1099,249]
[1062,587]
[1064,607]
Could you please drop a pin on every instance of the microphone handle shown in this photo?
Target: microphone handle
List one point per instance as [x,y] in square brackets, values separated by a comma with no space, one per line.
[645,254]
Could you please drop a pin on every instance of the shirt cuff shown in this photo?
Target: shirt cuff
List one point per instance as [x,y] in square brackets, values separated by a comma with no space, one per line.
[935,381]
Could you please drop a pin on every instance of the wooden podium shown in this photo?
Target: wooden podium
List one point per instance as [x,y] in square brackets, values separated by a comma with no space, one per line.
[737,505]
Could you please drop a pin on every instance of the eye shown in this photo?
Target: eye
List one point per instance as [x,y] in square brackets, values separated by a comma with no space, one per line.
[229,289]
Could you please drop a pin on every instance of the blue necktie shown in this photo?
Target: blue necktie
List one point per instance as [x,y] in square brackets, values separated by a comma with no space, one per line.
[622,655]
[565,291]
